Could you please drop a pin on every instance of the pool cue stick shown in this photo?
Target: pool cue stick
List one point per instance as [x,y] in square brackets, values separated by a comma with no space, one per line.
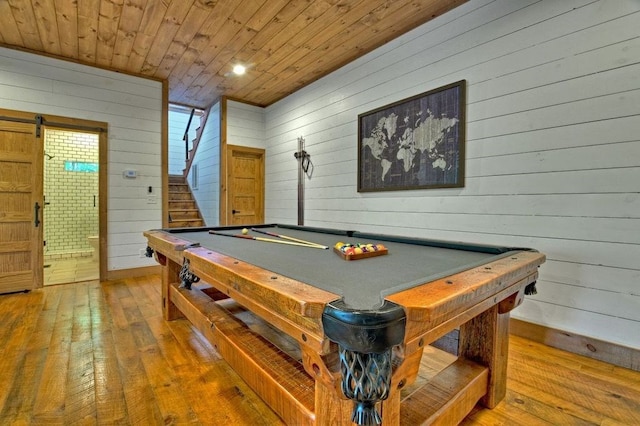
[297,240]
[267,240]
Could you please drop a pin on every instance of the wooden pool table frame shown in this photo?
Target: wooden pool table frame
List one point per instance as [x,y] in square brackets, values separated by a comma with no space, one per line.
[476,301]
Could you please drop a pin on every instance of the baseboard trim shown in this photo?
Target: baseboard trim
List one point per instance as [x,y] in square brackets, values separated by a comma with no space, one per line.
[611,353]
[119,274]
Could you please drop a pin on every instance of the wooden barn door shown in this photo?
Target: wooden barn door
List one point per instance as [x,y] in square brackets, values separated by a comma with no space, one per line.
[21,194]
[245,179]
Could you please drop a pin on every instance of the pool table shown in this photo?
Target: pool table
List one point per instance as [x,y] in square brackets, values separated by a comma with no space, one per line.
[361,325]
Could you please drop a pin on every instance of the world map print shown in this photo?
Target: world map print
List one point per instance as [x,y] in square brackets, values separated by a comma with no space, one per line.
[416,143]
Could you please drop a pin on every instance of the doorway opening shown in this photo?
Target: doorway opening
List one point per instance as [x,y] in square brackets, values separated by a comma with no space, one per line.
[71,211]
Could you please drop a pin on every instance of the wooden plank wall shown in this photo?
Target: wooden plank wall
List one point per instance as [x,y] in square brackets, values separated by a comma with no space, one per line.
[178,120]
[553,152]
[245,125]
[133,108]
[208,159]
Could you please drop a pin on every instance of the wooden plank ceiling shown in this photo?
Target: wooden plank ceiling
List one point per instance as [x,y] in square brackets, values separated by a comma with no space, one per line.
[194,44]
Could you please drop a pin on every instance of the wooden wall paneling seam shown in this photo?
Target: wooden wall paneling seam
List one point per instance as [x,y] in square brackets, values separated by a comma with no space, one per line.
[576,344]
[596,301]
[279,24]
[151,20]
[231,38]
[268,61]
[593,253]
[608,328]
[306,66]
[245,124]
[191,63]
[132,132]
[103,196]
[87,30]
[9,32]
[26,22]
[125,37]
[191,26]
[192,43]
[145,271]
[108,21]
[277,47]
[67,20]
[223,163]
[403,54]
[173,19]
[45,13]
[208,158]
[164,154]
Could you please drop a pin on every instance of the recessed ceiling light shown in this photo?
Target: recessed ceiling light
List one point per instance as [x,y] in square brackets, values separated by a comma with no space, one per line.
[239,69]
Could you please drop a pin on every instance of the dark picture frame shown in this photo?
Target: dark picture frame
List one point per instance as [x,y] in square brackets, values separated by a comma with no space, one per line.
[415,143]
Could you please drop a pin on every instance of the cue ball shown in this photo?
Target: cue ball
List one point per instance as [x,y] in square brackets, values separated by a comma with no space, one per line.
[245,231]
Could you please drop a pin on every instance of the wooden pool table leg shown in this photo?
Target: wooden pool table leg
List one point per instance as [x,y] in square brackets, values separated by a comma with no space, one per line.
[170,272]
[333,408]
[390,408]
[330,409]
[485,340]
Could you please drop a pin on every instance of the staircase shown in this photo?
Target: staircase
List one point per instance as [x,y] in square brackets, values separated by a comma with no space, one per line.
[183,210]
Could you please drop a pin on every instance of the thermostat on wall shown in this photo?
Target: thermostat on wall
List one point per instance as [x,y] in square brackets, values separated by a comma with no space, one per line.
[130,174]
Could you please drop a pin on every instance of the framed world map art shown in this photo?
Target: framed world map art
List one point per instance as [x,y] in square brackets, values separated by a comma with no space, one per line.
[415,143]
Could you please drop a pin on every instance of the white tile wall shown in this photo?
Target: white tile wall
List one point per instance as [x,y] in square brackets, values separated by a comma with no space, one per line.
[70,215]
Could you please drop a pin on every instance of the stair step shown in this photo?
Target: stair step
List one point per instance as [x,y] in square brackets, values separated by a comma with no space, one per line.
[186,223]
[182,205]
[180,196]
[184,214]
[183,210]
[178,187]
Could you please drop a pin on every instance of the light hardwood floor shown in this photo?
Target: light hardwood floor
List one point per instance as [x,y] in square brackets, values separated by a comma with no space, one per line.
[100,353]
